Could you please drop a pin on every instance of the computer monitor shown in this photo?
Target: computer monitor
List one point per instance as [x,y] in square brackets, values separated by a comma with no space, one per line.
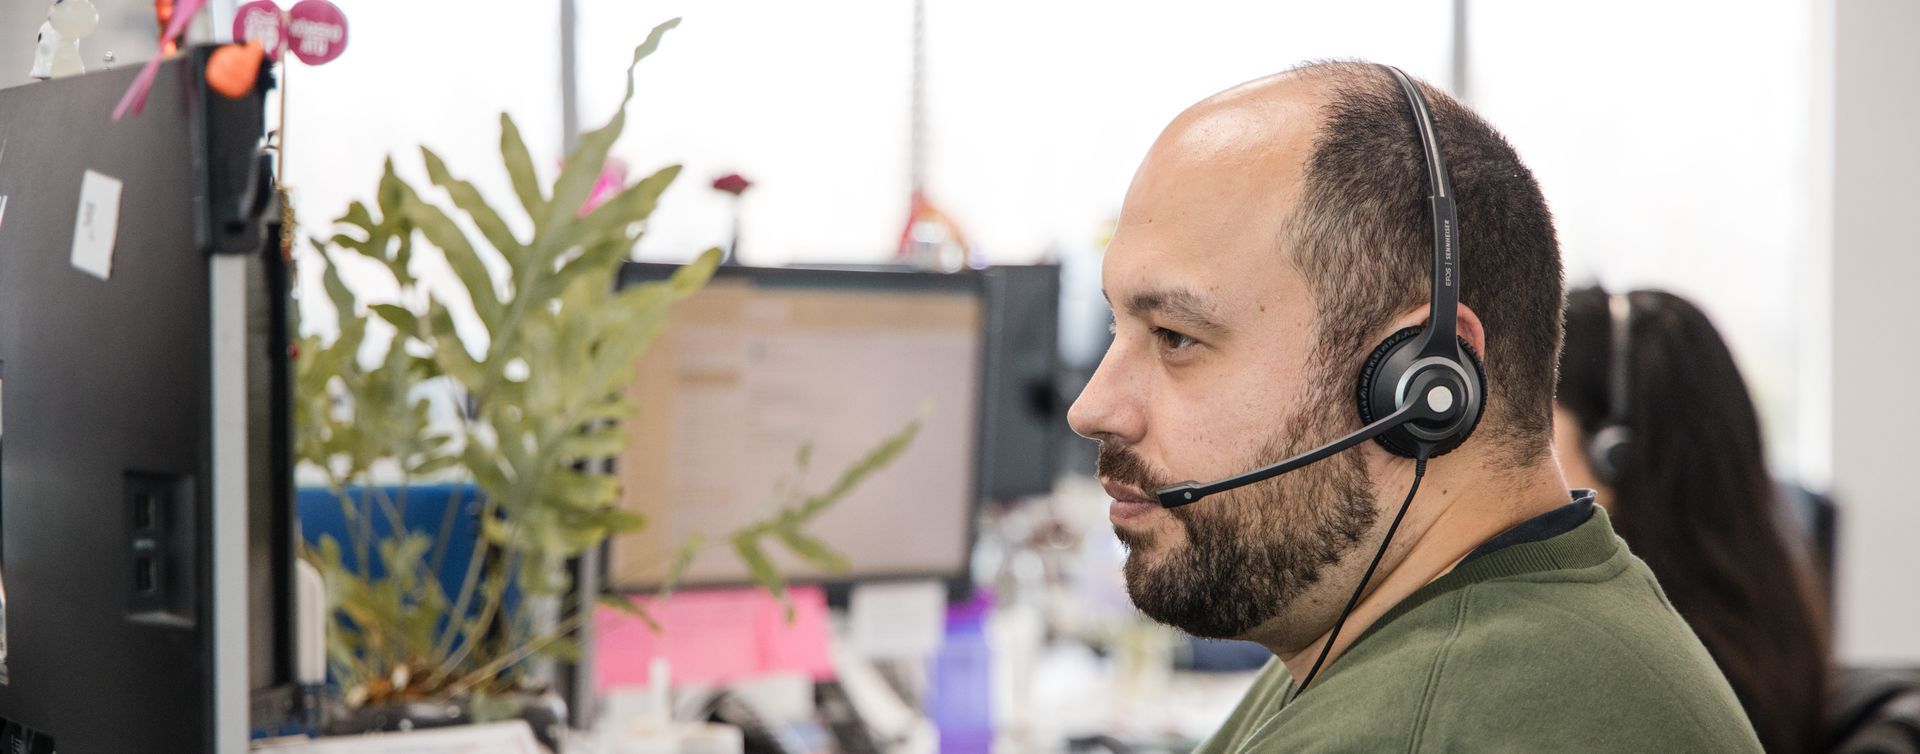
[764,361]
[1025,391]
[145,470]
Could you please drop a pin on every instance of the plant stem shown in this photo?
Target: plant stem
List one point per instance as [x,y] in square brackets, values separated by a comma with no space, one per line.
[568,626]
[457,617]
[442,540]
[396,521]
[496,594]
[351,516]
[489,507]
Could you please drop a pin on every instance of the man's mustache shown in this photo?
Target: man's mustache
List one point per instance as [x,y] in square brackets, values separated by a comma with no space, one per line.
[1118,464]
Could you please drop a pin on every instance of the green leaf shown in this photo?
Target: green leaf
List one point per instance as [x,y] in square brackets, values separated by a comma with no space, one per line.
[345,306]
[488,708]
[329,552]
[579,491]
[519,163]
[401,319]
[393,192]
[441,231]
[357,216]
[436,465]
[606,441]
[632,205]
[597,262]
[582,168]
[646,48]
[565,650]
[614,409]
[449,353]
[344,241]
[495,531]
[875,460]
[693,276]
[762,569]
[682,559]
[468,199]
[401,263]
[626,605]
[621,520]
[812,550]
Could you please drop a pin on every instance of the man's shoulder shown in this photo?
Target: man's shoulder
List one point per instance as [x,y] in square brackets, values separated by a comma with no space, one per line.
[1593,664]
[1621,623]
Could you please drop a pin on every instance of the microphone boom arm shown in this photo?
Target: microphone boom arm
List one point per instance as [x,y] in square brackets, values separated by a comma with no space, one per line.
[1186,493]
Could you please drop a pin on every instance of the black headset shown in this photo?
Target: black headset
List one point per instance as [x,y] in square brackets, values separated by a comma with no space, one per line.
[1423,389]
[1607,451]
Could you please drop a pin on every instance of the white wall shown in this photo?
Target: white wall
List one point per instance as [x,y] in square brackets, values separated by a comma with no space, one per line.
[1876,268]
[1038,112]
[1661,134]
[406,81]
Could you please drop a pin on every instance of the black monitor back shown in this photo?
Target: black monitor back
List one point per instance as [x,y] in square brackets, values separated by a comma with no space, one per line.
[145,465]
[1025,421]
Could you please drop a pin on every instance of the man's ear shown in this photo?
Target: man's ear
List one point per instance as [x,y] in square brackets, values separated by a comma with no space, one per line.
[1466,325]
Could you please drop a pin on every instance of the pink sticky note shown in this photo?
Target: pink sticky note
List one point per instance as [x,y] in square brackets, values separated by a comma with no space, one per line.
[714,637]
[803,646]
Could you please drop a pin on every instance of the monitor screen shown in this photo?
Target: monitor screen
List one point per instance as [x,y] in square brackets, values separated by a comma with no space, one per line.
[762,363]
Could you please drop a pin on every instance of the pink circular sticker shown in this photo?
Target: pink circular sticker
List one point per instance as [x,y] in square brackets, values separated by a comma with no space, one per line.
[263,21]
[317,32]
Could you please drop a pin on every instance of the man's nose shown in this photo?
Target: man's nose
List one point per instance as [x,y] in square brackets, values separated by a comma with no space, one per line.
[1109,409]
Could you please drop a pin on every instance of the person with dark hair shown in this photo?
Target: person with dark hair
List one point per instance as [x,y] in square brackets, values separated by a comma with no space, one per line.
[1653,414]
[1276,236]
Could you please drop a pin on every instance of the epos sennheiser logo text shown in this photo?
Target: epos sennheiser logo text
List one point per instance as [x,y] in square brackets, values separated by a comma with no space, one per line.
[1446,251]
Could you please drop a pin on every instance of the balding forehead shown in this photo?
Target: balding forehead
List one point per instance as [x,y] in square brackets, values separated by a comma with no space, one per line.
[1224,177]
[1244,150]
[1274,114]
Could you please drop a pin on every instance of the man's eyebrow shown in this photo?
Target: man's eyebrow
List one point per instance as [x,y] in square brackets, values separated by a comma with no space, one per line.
[1180,305]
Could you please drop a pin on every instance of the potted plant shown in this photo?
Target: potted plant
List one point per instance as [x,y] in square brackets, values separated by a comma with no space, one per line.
[537,373]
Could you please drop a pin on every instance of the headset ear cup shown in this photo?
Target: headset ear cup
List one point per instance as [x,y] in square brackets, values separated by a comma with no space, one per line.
[1480,406]
[1607,453]
[1395,441]
[1373,404]
[1370,372]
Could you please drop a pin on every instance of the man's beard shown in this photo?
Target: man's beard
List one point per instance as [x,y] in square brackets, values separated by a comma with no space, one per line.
[1251,552]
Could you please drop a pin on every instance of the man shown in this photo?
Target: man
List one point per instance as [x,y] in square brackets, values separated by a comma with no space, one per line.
[1274,234]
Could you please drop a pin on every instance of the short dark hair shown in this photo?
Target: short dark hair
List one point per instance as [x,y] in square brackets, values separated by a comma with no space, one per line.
[1362,237]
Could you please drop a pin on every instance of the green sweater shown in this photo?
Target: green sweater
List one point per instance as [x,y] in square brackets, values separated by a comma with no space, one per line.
[1563,644]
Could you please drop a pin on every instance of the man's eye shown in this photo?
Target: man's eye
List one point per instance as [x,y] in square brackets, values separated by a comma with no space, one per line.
[1172,341]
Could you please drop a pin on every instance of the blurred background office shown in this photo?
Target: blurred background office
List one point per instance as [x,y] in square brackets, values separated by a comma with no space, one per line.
[1755,157]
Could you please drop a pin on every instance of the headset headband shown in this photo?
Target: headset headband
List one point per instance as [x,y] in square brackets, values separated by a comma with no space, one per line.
[1440,332]
[1619,376]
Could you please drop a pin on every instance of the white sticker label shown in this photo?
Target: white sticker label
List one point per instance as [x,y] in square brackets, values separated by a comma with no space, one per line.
[3,197]
[96,224]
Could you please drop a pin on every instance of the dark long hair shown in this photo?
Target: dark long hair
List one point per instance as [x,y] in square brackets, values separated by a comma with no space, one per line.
[1694,500]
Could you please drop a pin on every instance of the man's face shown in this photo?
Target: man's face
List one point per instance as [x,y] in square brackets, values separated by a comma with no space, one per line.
[1212,372]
